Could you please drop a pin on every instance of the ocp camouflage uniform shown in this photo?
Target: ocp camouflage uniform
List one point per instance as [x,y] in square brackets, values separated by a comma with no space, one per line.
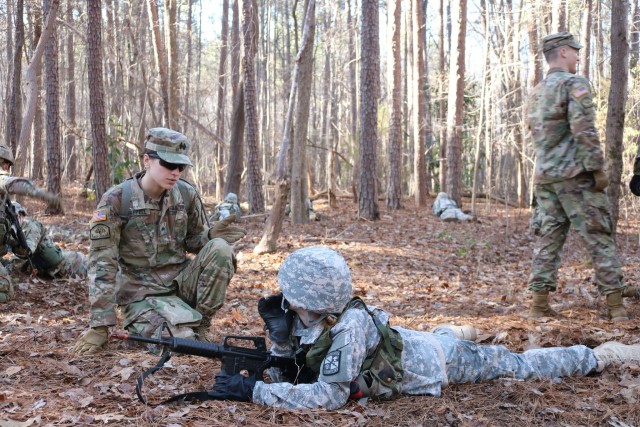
[430,361]
[561,119]
[140,263]
[47,257]
[14,186]
[447,210]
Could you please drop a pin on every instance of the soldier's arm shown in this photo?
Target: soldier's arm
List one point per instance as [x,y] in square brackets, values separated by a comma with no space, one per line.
[197,227]
[24,187]
[104,233]
[581,117]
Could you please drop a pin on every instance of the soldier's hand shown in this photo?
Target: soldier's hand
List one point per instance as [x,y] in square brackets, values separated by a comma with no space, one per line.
[92,341]
[634,185]
[276,320]
[224,230]
[601,180]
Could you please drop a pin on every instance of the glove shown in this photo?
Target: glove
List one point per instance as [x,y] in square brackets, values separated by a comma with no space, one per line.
[92,340]
[224,230]
[600,180]
[634,185]
[233,387]
[276,320]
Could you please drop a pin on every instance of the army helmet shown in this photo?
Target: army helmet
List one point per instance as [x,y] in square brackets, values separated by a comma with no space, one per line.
[6,154]
[231,198]
[316,279]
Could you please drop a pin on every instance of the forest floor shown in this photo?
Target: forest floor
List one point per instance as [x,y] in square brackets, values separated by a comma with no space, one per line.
[421,270]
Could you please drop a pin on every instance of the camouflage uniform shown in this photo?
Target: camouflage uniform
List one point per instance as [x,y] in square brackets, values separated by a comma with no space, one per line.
[14,186]
[47,257]
[140,263]
[447,210]
[560,115]
[317,279]
[228,207]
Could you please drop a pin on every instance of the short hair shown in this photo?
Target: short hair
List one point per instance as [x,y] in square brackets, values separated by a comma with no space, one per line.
[552,55]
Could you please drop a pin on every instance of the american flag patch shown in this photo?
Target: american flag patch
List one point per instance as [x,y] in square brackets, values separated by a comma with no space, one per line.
[581,91]
[99,215]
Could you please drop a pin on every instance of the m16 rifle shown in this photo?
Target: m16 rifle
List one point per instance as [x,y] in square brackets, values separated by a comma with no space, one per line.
[19,244]
[234,359]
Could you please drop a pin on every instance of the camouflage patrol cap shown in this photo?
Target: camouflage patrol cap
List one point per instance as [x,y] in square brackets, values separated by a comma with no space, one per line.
[19,208]
[6,153]
[316,279]
[563,38]
[231,198]
[171,146]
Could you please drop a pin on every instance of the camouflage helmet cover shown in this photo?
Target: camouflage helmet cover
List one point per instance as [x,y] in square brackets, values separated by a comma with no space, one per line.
[316,279]
[6,153]
[231,198]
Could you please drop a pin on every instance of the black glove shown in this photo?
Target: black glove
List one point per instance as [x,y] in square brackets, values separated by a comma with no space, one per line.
[233,387]
[634,185]
[276,320]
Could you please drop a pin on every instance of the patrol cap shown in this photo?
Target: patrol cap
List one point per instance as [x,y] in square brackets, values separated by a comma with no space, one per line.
[171,146]
[563,38]
[6,153]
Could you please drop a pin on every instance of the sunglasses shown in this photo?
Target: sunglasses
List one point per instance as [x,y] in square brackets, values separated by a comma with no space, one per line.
[167,165]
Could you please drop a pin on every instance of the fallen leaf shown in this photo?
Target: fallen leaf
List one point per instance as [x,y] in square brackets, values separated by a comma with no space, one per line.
[13,370]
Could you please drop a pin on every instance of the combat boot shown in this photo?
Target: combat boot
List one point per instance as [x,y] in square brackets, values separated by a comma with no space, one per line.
[615,308]
[631,292]
[203,329]
[615,353]
[464,332]
[540,305]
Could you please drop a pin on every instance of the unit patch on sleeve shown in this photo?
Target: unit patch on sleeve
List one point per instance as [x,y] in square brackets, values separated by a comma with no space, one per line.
[331,364]
[99,215]
[99,232]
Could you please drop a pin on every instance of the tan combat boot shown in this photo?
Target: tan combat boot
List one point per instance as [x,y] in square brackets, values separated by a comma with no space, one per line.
[203,329]
[615,308]
[615,353]
[631,292]
[540,305]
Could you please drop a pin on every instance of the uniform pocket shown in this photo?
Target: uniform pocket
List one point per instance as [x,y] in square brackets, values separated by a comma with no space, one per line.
[597,212]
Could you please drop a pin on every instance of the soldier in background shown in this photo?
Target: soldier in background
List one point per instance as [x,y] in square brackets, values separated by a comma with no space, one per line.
[227,208]
[12,185]
[448,211]
[140,234]
[47,258]
[570,180]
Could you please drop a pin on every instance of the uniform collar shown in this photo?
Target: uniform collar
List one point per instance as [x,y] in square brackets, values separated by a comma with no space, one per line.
[138,201]
[556,70]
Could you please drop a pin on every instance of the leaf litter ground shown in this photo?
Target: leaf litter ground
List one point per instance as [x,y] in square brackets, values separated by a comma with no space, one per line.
[421,270]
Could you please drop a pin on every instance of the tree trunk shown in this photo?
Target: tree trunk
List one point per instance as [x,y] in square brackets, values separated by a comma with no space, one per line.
[53,114]
[96,99]
[585,52]
[160,57]
[222,80]
[369,93]
[617,102]
[236,152]
[456,102]
[171,37]
[273,226]
[70,137]
[254,178]
[37,148]
[353,85]
[394,147]
[419,117]
[442,107]
[534,46]
[298,198]
[14,107]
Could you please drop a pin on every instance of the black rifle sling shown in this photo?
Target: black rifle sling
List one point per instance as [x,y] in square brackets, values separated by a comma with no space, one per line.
[140,381]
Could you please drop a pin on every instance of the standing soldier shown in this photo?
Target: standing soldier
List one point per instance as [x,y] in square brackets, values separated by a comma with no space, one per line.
[140,235]
[570,179]
[8,236]
[47,258]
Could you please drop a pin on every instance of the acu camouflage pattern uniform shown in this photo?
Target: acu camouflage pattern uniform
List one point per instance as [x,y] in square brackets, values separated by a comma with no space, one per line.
[429,360]
[140,262]
[14,186]
[447,210]
[47,257]
[560,116]
[227,208]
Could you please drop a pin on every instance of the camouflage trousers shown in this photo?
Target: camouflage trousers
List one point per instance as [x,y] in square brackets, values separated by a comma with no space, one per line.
[6,287]
[575,202]
[468,362]
[202,287]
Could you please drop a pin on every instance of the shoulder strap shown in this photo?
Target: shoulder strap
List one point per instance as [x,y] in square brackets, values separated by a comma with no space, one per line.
[125,200]
[184,192]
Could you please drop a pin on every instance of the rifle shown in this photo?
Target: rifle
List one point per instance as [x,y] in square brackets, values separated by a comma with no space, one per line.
[22,249]
[234,359]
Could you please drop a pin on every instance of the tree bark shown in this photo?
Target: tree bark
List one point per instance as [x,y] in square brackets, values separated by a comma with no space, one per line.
[442,108]
[585,52]
[617,102]
[96,99]
[14,107]
[394,147]
[171,37]
[369,93]
[222,81]
[70,137]
[419,107]
[160,57]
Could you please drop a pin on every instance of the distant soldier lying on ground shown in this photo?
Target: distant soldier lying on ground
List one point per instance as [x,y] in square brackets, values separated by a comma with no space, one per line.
[448,210]
[46,257]
[227,208]
[313,215]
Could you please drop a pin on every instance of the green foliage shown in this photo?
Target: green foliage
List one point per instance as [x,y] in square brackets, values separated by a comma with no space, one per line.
[119,160]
